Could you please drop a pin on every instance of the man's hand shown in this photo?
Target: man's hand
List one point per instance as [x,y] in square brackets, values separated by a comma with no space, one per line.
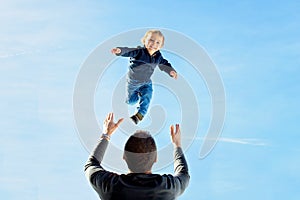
[109,126]
[173,74]
[116,51]
[176,135]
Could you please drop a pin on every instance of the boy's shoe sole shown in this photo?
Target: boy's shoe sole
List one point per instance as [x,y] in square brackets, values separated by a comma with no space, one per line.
[135,119]
[139,116]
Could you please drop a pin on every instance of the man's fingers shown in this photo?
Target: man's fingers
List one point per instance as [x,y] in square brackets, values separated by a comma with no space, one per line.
[177,128]
[119,121]
[172,130]
[110,116]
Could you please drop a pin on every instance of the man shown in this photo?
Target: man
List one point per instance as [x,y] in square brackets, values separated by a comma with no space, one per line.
[140,154]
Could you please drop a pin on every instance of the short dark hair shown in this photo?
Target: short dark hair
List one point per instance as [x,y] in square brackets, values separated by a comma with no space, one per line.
[140,152]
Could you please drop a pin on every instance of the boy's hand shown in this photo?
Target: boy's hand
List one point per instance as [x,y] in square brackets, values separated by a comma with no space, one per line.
[173,74]
[109,126]
[116,51]
[176,135]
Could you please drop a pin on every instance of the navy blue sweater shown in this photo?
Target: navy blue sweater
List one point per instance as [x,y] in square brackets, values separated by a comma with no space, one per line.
[142,64]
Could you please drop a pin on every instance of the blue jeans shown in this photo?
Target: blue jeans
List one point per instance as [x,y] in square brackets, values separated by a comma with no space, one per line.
[139,92]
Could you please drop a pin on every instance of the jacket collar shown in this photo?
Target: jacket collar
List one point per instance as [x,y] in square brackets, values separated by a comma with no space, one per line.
[157,53]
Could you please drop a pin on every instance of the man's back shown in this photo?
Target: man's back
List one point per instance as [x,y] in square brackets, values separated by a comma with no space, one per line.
[137,186]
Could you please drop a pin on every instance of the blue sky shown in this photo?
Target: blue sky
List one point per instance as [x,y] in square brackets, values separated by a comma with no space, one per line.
[254,44]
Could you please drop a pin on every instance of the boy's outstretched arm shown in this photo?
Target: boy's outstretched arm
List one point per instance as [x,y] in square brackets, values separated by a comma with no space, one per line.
[165,66]
[125,51]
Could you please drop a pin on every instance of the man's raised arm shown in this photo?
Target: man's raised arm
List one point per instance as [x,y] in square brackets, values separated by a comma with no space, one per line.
[180,164]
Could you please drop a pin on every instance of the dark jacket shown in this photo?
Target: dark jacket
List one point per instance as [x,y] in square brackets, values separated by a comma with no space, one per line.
[136,186]
[142,64]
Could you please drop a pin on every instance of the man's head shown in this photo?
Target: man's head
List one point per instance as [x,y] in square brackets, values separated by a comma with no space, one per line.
[140,152]
[153,40]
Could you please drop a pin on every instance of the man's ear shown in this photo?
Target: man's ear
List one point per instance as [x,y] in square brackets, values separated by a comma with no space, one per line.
[155,159]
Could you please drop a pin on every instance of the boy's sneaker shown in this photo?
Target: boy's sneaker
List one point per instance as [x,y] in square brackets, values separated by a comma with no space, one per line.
[137,117]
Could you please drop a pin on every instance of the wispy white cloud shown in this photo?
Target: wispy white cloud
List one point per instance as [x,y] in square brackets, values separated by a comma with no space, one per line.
[248,141]
[242,141]
[19,51]
[222,186]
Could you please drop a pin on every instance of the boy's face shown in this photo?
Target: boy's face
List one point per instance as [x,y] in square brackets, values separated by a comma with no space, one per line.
[153,42]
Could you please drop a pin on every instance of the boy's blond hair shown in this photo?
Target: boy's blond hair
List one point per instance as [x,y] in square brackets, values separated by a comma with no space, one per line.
[153,32]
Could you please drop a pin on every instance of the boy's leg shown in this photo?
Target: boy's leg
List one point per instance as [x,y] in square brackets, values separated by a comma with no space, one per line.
[131,94]
[146,96]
